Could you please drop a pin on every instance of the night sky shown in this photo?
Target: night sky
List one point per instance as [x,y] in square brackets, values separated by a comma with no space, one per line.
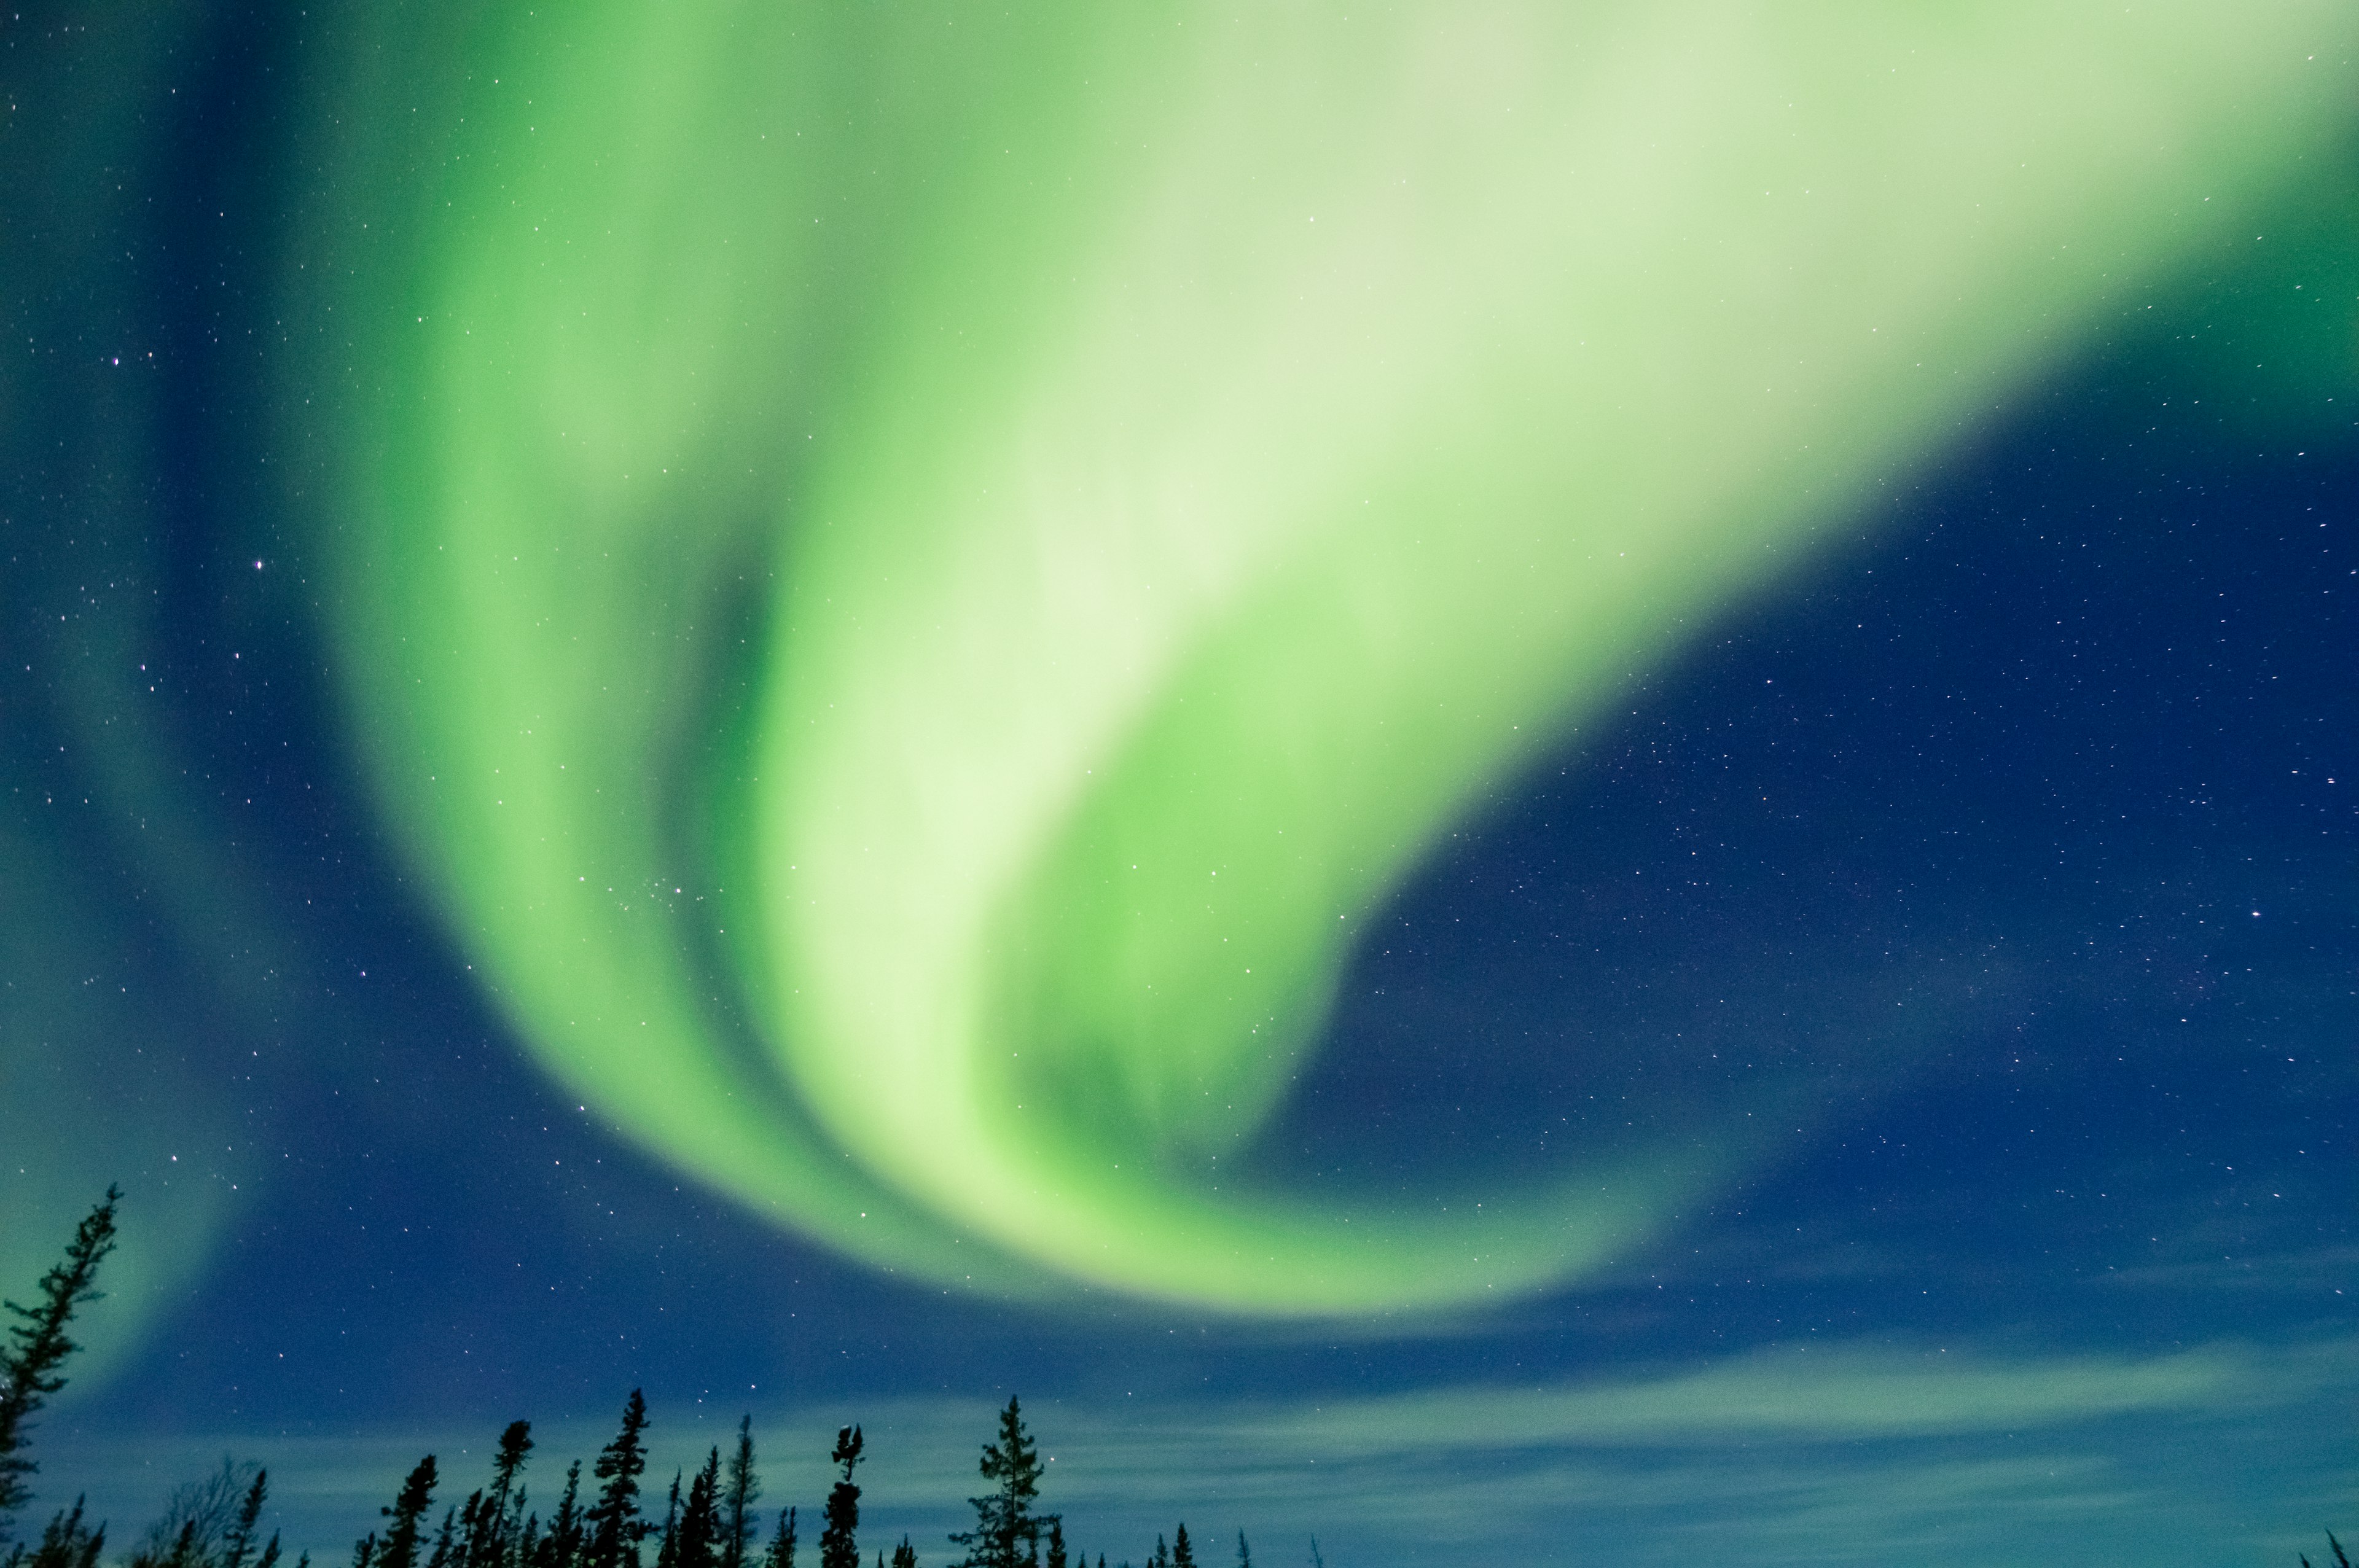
[1677,865]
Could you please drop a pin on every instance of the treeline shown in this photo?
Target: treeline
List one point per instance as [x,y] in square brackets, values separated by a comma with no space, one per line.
[215,1522]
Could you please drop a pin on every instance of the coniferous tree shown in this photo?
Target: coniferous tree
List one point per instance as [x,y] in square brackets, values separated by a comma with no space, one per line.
[781,1551]
[1182,1554]
[475,1523]
[1056,1543]
[1162,1558]
[238,1543]
[1245,1553]
[365,1551]
[700,1526]
[615,1525]
[1007,1531]
[905,1555]
[516,1445]
[495,1517]
[837,1545]
[400,1546]
[66,1542]
[445,1541]
[561,1544]
[667,1554]
[739,1491]
[38,1346]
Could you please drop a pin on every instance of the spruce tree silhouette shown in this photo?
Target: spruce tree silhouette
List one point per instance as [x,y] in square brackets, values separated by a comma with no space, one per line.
[781,1551]
[1182,1554]
[410,1505]
[500,1518]
[700,1524]
[1056,1557]
[37,1346]
[615,1525]
[739,1491]
[668,1553]
[237,1545]
[66,1542]
[837,1547]
[905,1555]
[1245,1553]
[1007,1531]
[562,1544]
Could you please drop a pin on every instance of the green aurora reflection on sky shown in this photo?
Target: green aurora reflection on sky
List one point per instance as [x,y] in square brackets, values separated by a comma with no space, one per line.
[911,576]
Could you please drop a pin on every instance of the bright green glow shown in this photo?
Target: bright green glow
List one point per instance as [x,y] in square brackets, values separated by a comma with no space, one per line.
[918,573]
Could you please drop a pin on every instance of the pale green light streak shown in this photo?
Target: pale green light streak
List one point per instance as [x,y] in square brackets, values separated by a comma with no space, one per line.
[922,572]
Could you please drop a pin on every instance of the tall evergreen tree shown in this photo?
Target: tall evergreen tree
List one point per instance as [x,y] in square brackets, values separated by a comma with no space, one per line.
[1245,1553]
[446,1542]
[38,1346]
[1056,1543]
[781,1551]
[409,1506]
[905,1555]
[237,1542]
[837,1547]
[667,1554]
[615,1525]
[1007,1531]
[700,1526]
[1182,1554]
[561,1544]
[502,1519]
[739,1491]
[1162,1558]
[66,1542]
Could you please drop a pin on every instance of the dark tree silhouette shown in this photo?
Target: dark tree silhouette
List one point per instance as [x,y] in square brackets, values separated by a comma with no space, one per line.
[237,1545]
[1182,1554]
[781,1551]
[568,1533]
[700,1525]
[399,1549]
[2340,1560]
[668,1553]
[500,1518]
[904,1555]
[37,1346]
[837,1545]
[1007,1531]
[740,1489]
[66,1542]
[615,1525]
[199,1518]
[1056,1558]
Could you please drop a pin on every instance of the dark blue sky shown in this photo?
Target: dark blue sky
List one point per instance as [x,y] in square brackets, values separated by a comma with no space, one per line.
[2005,857]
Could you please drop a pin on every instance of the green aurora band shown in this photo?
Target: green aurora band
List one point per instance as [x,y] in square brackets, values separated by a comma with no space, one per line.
[913,576]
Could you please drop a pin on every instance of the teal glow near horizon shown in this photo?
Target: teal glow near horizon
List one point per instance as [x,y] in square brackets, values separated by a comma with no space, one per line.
[914,576]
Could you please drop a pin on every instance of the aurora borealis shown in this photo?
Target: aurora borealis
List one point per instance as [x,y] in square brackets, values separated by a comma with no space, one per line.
[1162,534]
[895,607]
